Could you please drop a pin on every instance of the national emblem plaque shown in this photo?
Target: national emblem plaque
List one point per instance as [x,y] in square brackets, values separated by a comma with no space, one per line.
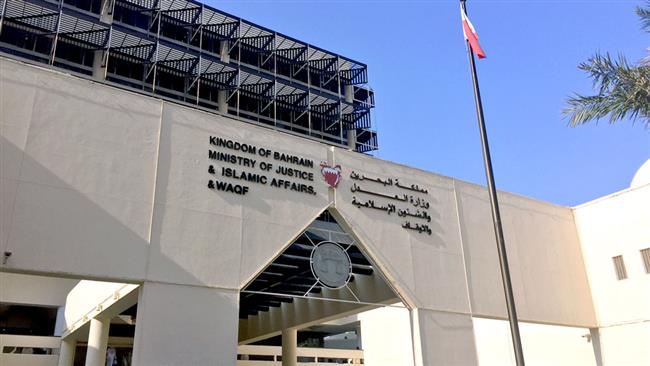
[331,265]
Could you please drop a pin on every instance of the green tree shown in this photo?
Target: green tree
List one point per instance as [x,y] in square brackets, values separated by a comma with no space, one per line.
[623,88]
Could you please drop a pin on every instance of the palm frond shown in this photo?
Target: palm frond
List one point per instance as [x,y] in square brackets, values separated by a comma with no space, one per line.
[644,14]
[623,91]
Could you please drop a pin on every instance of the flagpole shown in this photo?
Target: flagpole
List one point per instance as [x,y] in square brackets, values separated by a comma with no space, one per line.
[496,215]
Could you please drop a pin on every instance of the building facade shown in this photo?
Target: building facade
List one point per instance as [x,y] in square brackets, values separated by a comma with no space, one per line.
[175,232]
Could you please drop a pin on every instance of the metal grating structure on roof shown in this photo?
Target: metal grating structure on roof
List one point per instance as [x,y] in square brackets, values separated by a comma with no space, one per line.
[189,52]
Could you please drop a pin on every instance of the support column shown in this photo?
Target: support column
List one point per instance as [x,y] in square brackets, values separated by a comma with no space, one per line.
[99,69]
[59,325]
[222,101]
[352,139]
[106,16]
[186,325]
[290,347]
[352,134]
[349,93]
[97,342]
[224,51]
[67,351]
[443,338]
[595,342]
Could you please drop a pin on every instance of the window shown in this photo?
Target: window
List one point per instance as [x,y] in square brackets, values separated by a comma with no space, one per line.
[29,320]
[645,255]
[619,265]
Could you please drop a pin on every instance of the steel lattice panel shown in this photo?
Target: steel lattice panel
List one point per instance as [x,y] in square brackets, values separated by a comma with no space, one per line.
[176,39]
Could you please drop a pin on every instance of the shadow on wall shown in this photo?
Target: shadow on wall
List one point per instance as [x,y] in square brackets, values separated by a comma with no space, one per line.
[51,227]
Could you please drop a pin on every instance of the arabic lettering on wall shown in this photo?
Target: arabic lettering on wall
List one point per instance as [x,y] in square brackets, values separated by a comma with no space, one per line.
[409,206]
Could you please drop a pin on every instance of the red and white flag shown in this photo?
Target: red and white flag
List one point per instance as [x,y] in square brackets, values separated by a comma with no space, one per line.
[471,35]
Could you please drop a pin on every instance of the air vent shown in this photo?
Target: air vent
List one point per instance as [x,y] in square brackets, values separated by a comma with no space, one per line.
[645,255]
[619,265]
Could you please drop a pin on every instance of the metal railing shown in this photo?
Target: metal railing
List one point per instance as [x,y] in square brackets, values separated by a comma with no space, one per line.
[44,351]
[272,356]
[28,350]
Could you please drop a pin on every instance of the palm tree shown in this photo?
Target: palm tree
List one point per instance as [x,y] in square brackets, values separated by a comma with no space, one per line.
[623,89]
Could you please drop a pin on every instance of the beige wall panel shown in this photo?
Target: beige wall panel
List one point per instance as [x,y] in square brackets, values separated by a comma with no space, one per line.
[172,331]
[428,269]
[195,248]
[34,290]
[435,285]
[257,225]
[264,243]
[83,205]
[546,265]
[59,230]
[617,225]
[543,345]
[626,344]
[443,339]
[85,190]
[386,337]
[8,190]
[93,139]
[183,167]
[481,255]
[17,91]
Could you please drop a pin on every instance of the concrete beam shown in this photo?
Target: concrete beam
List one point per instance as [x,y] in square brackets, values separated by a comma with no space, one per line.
[113,304]
[305,312]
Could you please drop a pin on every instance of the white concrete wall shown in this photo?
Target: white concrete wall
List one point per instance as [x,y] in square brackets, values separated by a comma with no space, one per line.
[173,331]
[386,337]
[615,225]
[78,174]
[626,344]
[548,276]
[543,345]
[460,259]
[196,230]
[103,183]
[34,290]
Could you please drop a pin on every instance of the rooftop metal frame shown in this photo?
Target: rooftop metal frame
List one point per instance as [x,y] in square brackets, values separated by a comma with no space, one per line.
[187,51]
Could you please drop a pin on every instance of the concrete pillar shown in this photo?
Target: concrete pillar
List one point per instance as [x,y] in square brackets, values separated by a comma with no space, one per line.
[99,70]
[186,325]
[443,339]
[595,343]
[290,347]
[352,139]
[224,51]
[59,325]
[97,342]
[222,101]
[349,93]
[66,351]
[106,16]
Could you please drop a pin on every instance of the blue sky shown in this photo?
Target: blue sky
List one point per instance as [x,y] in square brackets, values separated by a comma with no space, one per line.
[425,112]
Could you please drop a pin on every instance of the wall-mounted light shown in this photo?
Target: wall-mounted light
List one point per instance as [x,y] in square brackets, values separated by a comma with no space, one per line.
[5,257]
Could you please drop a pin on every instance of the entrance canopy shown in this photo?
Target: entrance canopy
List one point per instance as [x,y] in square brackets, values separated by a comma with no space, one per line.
[293,291]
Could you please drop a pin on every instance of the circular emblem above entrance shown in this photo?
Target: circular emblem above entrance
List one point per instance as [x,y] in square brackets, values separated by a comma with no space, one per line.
[331,265]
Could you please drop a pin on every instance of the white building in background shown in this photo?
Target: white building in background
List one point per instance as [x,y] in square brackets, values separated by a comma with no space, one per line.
[170,198]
